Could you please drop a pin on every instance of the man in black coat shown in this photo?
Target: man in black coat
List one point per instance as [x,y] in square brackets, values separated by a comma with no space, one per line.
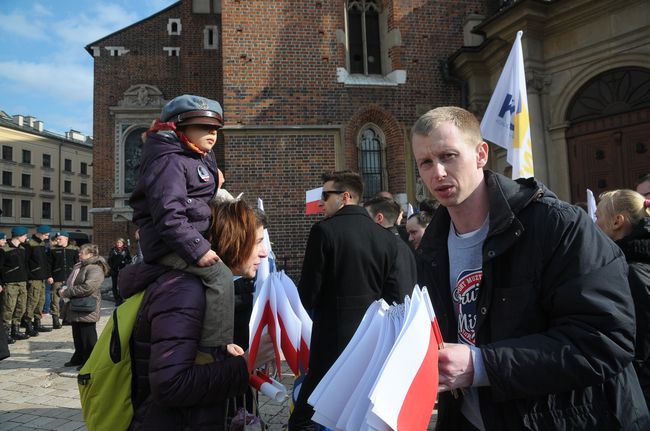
[532,299]
[385,211]
[349,263]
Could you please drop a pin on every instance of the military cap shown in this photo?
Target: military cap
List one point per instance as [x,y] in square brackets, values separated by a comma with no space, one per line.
[2,235]
[62,233]
[18,231]
[188,109]
[43,229]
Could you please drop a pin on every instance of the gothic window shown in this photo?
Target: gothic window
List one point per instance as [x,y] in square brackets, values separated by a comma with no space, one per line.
[372,160]
[132,153]
[363,36]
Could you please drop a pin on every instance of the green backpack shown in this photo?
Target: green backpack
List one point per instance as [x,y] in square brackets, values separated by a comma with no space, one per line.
[105,379]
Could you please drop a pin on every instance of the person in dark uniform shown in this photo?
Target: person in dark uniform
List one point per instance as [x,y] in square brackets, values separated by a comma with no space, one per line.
[38,267]
[349,263]
[63,256]
[13,279]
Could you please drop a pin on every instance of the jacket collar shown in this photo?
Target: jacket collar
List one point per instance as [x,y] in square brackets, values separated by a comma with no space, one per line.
[636,246]
[352,209]
[507,199]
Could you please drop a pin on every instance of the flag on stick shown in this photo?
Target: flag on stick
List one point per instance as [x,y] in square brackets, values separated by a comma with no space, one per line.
[506,121]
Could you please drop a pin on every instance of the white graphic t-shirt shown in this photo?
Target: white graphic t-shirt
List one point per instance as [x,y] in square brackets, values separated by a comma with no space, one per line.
[465,274]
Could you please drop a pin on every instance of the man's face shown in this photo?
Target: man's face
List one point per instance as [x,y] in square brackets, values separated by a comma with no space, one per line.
[450,167]
[62,241]
[332,199]
[644,189]
[3,242]
[22,238]
[42,236]
[415,231]
[203,136]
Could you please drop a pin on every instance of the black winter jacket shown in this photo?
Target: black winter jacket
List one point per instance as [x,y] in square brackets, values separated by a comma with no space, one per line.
[62,259]
[636,247]
[38,264]
[555,321]
[13,263]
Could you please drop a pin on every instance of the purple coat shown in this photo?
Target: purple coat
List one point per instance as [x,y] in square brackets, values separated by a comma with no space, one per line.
[170,391]
[170,200]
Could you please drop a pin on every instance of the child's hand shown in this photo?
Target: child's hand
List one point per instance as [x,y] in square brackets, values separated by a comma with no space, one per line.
[221,179]
[208,259]
[234,350]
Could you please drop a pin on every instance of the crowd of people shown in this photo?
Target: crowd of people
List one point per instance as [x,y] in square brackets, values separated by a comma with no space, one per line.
[545,313]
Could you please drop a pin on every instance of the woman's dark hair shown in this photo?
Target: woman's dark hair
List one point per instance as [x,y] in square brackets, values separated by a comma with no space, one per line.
[232,232]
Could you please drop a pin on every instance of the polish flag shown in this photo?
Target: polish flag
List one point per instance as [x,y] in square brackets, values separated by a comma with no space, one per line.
[313,201]
[268,386]
[405,392]
[262,321]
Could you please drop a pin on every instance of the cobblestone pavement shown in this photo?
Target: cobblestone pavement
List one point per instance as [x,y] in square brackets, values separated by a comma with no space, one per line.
[38,392]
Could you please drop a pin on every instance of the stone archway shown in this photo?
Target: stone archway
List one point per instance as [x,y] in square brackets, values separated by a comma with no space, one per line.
[608,140]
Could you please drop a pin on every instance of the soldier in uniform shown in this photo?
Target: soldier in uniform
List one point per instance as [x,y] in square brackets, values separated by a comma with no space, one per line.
[63,256]
[38,267]
[13,279]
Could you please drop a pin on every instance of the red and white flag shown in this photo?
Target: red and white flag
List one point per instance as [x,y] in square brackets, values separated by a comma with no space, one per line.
[268,386]
[406,389]
[312,198]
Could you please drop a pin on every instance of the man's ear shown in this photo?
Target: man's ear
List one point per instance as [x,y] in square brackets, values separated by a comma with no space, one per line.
[482,151]
[379,218]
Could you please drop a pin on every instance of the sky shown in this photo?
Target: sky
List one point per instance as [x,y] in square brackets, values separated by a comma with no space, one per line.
[45,71]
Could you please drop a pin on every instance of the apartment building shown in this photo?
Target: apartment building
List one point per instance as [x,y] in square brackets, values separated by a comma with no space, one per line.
[46,177]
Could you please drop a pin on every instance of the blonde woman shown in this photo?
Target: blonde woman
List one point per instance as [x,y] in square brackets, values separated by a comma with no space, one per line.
[624,216]
[84,305]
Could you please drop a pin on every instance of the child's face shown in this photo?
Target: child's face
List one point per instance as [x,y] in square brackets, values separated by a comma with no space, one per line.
[203,136]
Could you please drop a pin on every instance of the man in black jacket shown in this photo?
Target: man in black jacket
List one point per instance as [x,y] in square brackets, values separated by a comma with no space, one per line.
[38,269]
[532,299]
[385,211]
[63,256]
[13,280]
[349,263]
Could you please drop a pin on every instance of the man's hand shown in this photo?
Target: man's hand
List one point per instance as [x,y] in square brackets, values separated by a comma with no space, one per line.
[208,259]
[455,367]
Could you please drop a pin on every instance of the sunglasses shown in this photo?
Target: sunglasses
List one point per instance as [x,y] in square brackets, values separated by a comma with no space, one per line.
[326,194]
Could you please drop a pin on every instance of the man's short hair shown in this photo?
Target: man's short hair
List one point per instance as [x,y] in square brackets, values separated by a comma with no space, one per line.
[423,218]
[464,121]
[388,207]
[429,205]
[347,181]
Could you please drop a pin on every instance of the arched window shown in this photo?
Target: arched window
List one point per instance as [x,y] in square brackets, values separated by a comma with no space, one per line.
[363,36]
[372,160]
[132,153]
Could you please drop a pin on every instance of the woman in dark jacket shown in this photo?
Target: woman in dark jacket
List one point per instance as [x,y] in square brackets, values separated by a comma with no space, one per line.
[624,215]
[118,258]
[84,282]
[174,386]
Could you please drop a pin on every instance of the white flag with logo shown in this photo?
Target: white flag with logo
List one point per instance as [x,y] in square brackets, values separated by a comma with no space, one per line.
[506,121]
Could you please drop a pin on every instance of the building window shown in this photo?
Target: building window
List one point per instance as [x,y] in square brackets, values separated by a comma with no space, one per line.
[67,165]
[116,51]
[83,168]
[47,184]
[67,186]
[7,153]
[132,153]
[46,210]
[172,51]
[25,209]
[7,208]
[174,26]
[83,191]
[47,161]
[27,157]
[7,178]
[210,37]
[67,212]
[84,213]
[363,37]
[372,160]
[26,181]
